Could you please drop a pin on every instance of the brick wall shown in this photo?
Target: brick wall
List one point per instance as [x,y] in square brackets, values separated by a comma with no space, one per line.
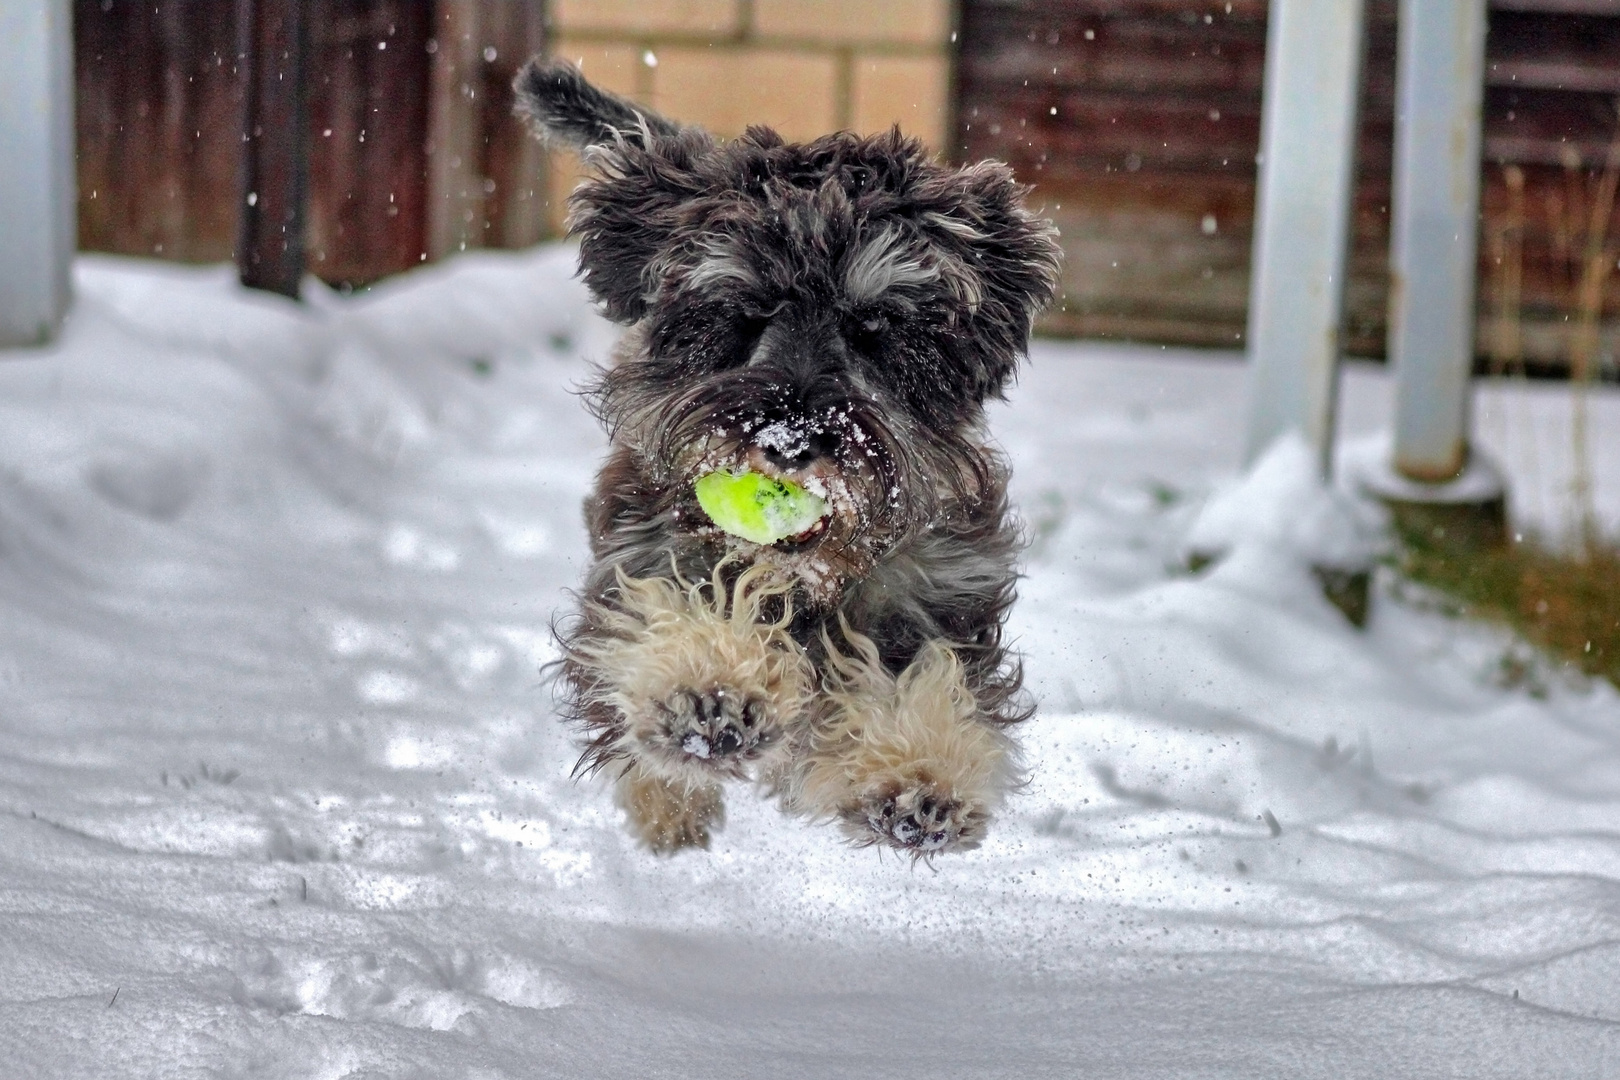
[805,67]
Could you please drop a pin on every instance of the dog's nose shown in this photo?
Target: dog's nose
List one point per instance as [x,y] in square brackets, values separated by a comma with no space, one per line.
[795,449]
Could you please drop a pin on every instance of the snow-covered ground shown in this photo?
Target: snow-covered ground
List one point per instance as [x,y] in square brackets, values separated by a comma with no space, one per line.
[281,794]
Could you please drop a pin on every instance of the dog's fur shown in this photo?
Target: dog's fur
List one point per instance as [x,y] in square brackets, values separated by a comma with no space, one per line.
[834,312]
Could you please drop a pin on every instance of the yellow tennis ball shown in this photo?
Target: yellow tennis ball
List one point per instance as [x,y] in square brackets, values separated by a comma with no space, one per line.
[758,508]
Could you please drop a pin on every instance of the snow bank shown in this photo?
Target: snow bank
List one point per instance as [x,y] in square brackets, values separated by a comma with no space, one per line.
[1281,508]
[280,794]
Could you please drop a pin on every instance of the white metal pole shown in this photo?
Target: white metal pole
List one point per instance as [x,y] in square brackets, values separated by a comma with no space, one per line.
[38,197]
[1439,87]
[1302,221]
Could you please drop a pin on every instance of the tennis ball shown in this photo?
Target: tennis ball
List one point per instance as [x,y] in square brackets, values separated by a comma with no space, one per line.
[758,508]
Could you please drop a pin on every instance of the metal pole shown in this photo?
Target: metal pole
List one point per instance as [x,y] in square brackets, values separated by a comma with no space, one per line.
[38,186]
[274,36]
[1439,86]
[1302,227]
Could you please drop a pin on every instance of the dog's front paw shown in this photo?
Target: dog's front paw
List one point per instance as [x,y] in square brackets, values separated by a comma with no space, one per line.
[917,817]
[719,726]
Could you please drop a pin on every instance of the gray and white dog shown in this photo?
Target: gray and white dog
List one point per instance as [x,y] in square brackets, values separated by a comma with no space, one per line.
[834,313]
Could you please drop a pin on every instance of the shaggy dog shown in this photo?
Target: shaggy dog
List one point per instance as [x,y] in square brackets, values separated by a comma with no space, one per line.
[834,313]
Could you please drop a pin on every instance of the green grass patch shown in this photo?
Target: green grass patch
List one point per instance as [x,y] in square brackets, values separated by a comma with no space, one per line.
[1565,603]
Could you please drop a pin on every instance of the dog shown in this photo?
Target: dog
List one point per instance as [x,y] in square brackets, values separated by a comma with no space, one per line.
[833,313]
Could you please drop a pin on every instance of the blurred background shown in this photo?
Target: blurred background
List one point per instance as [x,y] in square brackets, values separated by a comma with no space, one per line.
[1137,121]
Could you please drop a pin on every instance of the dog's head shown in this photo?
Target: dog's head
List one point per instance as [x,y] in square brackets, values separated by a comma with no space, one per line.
[835,311]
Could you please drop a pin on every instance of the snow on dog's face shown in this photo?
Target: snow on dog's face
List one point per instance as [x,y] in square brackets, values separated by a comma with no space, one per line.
[833,312]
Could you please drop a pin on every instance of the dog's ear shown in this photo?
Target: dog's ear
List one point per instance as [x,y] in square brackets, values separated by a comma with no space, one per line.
[642,164]
[977,214]
[565,109]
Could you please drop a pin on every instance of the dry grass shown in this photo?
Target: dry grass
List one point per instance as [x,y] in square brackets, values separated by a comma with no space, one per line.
[1565,601]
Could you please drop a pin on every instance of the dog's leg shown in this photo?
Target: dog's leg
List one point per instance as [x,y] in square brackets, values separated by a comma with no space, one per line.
[666,814]
[689,686]
[906,761]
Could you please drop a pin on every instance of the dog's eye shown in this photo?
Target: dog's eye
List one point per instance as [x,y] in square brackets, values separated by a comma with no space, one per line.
[866,334]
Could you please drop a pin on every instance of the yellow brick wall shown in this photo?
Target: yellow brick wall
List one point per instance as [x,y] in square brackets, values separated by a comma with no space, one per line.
[805,67]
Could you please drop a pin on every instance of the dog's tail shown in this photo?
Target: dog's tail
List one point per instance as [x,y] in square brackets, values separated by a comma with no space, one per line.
[554,96]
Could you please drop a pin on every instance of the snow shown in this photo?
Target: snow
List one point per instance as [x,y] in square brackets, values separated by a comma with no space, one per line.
[1368,463]
[281,794]
[786,439]
[1282,507]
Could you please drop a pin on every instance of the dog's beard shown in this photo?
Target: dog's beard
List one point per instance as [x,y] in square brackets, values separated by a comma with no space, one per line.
[883,475]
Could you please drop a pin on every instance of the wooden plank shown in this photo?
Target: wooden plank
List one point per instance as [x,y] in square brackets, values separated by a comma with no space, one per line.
[1072,50]
[274,42]
[486,172]
[514,160]
[1188,12]
[1548,127]
[455,212]
[1559,7]
[1108,132]
[1531,52]
[368,108]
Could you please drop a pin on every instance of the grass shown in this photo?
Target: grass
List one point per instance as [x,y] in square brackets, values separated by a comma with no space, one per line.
[1565,603]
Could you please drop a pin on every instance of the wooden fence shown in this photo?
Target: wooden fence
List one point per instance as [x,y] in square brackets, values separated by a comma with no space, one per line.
[1139,121]
[413,149]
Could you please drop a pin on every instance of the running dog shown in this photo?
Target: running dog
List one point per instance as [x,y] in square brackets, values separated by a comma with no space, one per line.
[830,316]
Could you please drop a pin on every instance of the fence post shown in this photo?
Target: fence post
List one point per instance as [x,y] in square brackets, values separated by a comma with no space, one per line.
[1439,491]
[1439,87]
[273,52]
[38,189]
[1302,226]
